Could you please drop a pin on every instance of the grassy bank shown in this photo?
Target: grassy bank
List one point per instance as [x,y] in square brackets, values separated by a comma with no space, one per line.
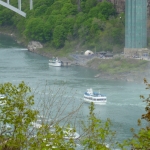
[118,65]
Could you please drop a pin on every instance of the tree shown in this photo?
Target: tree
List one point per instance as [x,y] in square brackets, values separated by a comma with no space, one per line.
[34,29]
[18,129]
[6,17]
[59,36]
[68,24]
[57,5]
[39,3]
[106,9]
[68,9]
[16,115]
[93,13]
[41,22]
[40,11]
[89,4]
[97,134]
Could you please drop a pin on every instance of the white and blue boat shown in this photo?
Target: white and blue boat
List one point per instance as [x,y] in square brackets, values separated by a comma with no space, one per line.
[2,96]
[70,133]
[55,62]
[2,99]
[95,97]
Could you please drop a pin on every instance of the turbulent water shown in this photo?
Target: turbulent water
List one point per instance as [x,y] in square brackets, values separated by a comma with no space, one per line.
[124,106]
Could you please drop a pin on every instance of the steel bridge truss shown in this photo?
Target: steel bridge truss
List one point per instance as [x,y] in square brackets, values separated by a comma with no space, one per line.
[17,10]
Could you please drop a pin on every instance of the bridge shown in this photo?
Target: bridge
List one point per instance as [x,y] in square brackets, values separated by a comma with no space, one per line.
[136,28]
[17,10]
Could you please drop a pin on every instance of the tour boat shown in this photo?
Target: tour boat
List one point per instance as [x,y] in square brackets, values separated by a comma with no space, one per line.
[69,133]
[36,125]
[55,62]
[2,96]
[95,97]
[2,101]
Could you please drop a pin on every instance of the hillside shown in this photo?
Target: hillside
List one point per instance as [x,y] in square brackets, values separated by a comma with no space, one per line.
[68,25]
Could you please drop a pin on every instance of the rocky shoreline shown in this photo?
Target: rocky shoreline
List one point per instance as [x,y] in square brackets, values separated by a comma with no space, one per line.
[75,59]
[81,60]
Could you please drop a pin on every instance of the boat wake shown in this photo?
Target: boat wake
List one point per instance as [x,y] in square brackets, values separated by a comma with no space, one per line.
[126,104]
[23,49]
[16,49]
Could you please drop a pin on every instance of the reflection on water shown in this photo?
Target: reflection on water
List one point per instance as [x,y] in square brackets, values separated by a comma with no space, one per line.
[8,42]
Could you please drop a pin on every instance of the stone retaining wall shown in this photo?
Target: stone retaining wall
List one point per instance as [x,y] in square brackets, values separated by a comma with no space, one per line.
[136,52]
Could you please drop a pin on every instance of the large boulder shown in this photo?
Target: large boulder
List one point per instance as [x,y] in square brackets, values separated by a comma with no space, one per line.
[33,45]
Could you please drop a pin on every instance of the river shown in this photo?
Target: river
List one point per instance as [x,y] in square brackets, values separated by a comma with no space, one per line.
[123,107]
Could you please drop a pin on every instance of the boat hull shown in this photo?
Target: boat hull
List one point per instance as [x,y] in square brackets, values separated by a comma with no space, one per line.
[100,102]
[55,64]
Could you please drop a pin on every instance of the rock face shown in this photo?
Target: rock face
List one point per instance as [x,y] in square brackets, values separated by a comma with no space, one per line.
[120,5]
[33,45]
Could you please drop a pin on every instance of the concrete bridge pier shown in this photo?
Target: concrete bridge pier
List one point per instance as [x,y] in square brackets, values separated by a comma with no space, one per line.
[136,28]
[19,4]
[31,4]
[7,1]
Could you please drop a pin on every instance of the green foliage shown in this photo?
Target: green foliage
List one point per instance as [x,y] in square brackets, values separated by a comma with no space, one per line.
[147,101]
[59,36]
[106,10]
[40,11]
[16,123]
[69,9]
[89,4]
[57,5]
[17,113]
[118,65]
[95,24]
[93,12]
[112,33]
[39,3]
[6,17]
[35,29]
[97,133]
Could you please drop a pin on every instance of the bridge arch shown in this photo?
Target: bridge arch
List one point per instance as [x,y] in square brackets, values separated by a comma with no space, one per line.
[17,10]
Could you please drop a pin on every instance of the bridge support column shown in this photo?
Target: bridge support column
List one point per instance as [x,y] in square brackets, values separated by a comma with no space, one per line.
[19,4]
[31,4]
[7,1]
[135,27]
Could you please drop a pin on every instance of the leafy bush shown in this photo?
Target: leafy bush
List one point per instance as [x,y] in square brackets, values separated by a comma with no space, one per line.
[97,133]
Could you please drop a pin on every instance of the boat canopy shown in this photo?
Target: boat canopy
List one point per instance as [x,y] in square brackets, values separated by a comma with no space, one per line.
[90,91]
